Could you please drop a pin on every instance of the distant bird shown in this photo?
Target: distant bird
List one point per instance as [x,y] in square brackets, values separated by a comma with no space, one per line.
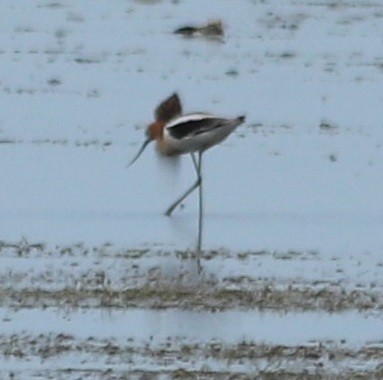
[177,134]
[211,29]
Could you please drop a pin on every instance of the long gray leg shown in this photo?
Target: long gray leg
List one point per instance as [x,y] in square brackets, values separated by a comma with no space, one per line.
[200,216]
[197,183]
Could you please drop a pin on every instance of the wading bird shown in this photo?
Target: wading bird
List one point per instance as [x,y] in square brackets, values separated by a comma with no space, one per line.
[177,134]
[212,29]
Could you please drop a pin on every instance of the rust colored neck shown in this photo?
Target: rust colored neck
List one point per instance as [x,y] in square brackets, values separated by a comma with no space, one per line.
[155,130]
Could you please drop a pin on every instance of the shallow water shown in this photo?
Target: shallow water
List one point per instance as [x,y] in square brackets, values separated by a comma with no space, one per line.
[164,340]
[227,327]
[97,283]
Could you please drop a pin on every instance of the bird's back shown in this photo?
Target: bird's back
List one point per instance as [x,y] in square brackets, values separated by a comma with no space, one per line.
[198,131]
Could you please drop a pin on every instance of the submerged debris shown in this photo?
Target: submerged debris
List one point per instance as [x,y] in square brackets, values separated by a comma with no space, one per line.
[211,29]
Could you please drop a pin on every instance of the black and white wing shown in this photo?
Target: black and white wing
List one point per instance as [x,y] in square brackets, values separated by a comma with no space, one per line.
[198,131]
[198,124]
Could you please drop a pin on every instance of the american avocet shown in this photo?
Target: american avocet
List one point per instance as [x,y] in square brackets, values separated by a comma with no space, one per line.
[177,134]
